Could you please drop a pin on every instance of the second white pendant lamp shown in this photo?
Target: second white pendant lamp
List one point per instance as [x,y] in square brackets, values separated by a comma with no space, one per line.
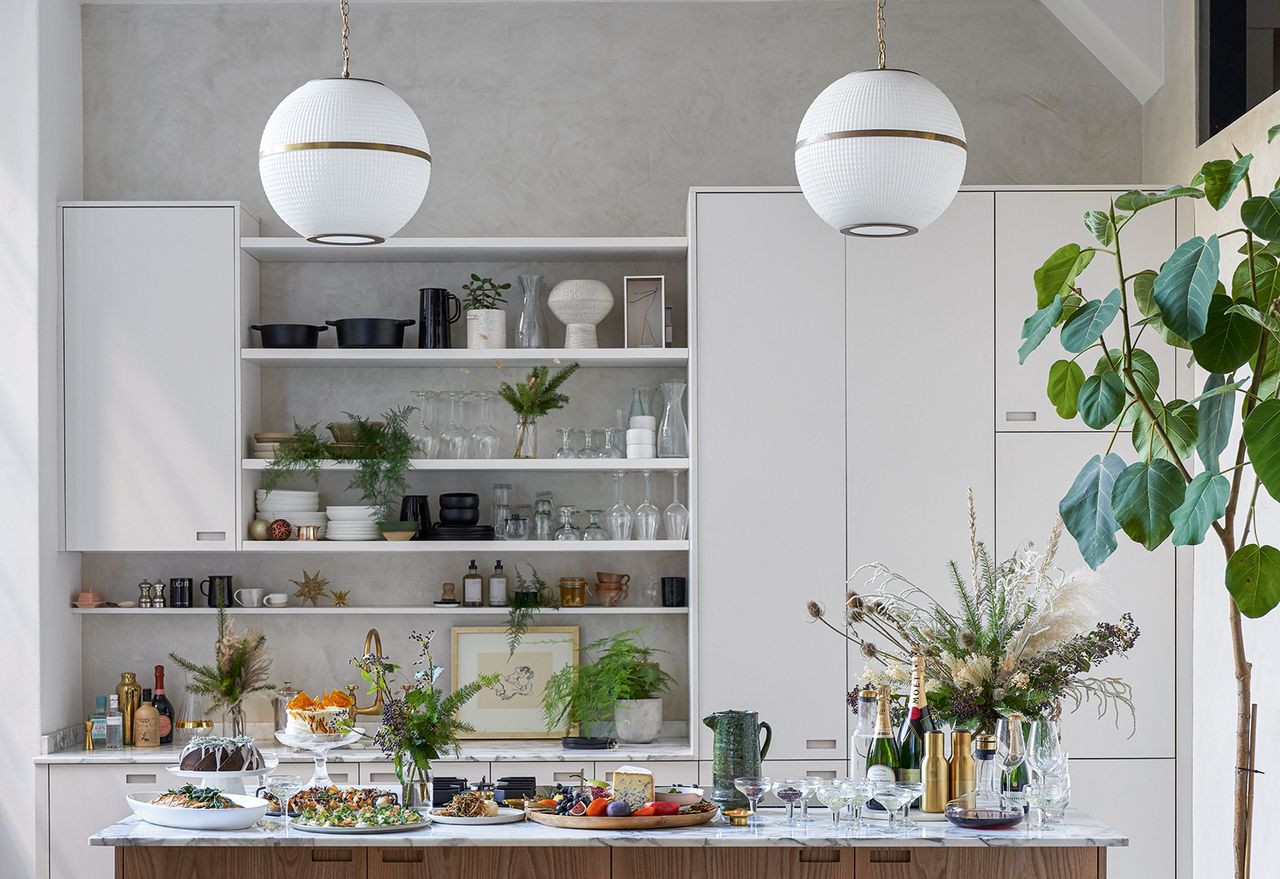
[880,153]
[344,160]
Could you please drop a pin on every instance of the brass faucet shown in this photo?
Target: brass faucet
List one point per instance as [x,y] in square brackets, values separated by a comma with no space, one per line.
[374,640]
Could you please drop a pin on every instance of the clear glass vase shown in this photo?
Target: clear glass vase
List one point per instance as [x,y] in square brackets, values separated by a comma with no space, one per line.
[673,431]
[531,332]
[416,788]
[526,438]
[233,722]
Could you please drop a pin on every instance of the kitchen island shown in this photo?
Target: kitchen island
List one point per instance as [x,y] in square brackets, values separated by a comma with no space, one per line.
[774,850]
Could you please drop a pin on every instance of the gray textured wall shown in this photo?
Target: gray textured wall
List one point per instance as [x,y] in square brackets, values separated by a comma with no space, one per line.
[566,119]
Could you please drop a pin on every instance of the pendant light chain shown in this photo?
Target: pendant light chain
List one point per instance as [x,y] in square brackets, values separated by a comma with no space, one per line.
[346,34]
[879,31]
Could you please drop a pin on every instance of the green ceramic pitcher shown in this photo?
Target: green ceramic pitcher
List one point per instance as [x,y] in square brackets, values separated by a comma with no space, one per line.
[735,753]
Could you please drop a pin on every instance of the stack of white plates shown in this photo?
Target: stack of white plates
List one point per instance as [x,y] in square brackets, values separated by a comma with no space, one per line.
[295,507]
[264,445]
[352,523]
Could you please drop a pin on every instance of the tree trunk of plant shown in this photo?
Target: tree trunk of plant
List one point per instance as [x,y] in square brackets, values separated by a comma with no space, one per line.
[1244,701]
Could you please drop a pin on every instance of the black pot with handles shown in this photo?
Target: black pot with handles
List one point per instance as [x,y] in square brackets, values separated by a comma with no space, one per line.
[370,332]
[289,335]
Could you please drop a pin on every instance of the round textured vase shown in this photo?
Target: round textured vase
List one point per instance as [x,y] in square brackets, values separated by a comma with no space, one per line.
[638,720]
[486,328]
[580,305]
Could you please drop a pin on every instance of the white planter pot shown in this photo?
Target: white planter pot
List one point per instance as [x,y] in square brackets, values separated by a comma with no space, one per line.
[580,305]
[638,720]
[486,328]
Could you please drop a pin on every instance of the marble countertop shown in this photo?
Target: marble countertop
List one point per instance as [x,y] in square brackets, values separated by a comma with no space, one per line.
[474,751]
[1080,831]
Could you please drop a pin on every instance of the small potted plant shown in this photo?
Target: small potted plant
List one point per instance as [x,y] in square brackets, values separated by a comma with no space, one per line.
[616,678]
[486,322]
[531,399]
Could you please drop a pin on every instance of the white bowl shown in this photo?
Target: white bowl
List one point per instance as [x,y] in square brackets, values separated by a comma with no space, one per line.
[297,517]
[642,451]
[353,514]
[641,436]
[199,819]
[643,422]
[287,493]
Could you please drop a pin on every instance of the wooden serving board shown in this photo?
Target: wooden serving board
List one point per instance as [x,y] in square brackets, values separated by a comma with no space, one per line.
[650,822]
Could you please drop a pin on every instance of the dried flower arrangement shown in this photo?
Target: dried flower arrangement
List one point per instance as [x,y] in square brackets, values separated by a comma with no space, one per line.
[1024,640]
[240,667]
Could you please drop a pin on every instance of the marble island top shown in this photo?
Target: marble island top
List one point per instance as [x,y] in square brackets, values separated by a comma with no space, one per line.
[1080,831]
[473,751]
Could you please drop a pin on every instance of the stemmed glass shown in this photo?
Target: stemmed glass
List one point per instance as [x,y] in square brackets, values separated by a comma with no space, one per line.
[1009,749]
[859,791]
[593,531]
[619,517]
[566,449]
[916,789]
[454,440]
[814,782]
[893,797]
[792,791]
[567,530]
[676,515]
[283,788]
[1044,750]
[647,514]
[753,788]
[589,449]
[610,449]
[833,795]
[428,436]
[485,441]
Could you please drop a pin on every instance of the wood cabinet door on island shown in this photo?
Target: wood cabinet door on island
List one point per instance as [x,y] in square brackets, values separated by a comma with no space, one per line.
[768,422]
[241,862]
[996,862]
[509,862]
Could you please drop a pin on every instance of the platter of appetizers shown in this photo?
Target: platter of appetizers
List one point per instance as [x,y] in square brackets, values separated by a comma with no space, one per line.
[620,806]
[333,795]
[472,808]
[198,808]
[343,819]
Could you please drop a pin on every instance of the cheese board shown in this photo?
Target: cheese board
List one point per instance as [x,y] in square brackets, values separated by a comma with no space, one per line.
[600,822]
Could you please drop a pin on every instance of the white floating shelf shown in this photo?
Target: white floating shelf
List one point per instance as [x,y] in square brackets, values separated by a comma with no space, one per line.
[514,465]
[397,611]
[471,250]
[463,358]
[476,547]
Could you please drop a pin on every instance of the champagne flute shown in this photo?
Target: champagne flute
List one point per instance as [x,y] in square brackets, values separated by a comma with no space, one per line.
[284,788]
[753,787]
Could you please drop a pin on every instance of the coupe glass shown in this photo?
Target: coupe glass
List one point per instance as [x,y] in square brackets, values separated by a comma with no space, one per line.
[589,448]
[619,517]
[859,791]
[428,436]
[1044,748]
[815,782]
[791,792]
[917,789]
[610,448]
[485,441]
[593,531]
[753,787]
[647,514]
[283,788]
[567,530]
[832,794]
[454,440]
[676,515]
[893,797]
[566,450]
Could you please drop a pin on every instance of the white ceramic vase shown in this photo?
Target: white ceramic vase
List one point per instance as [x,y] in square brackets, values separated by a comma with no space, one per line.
[638,720]
[580,305]
[486,328]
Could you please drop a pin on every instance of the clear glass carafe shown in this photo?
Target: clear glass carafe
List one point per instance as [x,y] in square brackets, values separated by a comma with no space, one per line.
[428,436]
[673,431]
[647,514]
[567,530]
[531,331]
[676,515]
[619,517]
[639,402]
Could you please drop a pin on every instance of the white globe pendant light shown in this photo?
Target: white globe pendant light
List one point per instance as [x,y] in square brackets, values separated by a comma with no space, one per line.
[343,160]
[880,153]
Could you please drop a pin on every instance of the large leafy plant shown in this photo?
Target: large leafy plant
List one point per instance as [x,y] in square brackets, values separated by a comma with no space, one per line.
[1151,489]
[611,668]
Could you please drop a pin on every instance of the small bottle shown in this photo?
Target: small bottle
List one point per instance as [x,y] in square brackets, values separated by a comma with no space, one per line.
[935,772]
[498,586]
[963,771]
[165,707]
[146,723]
[863,733]
[98,731]
[473,587]
[115,725]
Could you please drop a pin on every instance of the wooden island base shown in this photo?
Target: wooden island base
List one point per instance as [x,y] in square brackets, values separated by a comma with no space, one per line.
[639,862]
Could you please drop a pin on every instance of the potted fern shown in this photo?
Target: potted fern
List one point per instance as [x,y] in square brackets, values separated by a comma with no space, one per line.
[486,322]
[530,400]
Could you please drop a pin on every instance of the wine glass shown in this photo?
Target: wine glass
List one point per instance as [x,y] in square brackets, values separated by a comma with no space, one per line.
[485,441]
[454,439]
[283,788]
[893,797]
[676,515]
[753,787]
[859,791]
[792,791]
[647,514]
[567,530]
[1044,749]
[619,517]
[1009,750]
[593,531]
[566,450]
[589,449]
[832,794]
[428,436]
[610,448]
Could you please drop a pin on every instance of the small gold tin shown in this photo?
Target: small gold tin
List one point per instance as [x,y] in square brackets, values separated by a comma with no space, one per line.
[737,817]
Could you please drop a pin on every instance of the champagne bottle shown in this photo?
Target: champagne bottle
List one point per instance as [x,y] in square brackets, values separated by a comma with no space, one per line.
[1015,779]
[936,773]
[882,755]
[164,707]
[916,725]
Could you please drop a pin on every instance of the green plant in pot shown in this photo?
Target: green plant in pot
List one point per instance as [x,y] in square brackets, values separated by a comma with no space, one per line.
[1146,482]
[617,679]
[486,322]
[531,399]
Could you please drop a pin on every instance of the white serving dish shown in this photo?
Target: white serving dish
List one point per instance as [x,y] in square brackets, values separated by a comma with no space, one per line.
[685,795]
[504,816]
[199,819]
[358,831]
[282,493]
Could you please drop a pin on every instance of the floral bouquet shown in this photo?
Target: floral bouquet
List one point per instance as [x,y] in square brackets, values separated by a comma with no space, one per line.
[240,666]
[1025,637]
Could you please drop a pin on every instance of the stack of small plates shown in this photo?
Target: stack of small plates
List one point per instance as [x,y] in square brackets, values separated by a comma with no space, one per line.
[295,507]
[352,523]
[264,445]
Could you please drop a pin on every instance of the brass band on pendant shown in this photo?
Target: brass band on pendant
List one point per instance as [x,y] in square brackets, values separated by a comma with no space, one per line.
[344,145]
[882,132]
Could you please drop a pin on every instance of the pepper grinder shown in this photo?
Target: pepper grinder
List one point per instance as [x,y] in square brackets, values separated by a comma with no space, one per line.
[157,593]
[144,594]
[129,693]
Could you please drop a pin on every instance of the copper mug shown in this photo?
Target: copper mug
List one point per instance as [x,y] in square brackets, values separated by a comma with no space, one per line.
[606,577]
[610,594]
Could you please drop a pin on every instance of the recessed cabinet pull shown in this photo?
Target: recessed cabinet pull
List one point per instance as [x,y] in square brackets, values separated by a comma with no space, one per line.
[401,855]
[382,777]
[890,856]
[140,778]
[331,854]
[211,535]
[339,776]
[563,776]
[819,855]
[821,773]
[1015,415]
[820,744]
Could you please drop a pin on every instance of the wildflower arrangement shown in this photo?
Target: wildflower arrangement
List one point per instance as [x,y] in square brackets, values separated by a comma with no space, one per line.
[240,666]
[1025,638]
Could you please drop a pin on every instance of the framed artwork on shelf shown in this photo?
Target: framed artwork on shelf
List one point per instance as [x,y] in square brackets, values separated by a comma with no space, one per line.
[512,709]
[645,313]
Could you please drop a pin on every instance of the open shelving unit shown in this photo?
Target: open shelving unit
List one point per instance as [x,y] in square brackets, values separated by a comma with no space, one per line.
[463,358]
[472,250]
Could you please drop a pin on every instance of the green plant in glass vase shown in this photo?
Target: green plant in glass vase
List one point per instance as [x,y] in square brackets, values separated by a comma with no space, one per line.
[1149,486]
[531,399]
[240,666]
[611,668]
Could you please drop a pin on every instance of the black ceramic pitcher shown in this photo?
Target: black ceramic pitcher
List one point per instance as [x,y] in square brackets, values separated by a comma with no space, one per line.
[736,752]
[437,308]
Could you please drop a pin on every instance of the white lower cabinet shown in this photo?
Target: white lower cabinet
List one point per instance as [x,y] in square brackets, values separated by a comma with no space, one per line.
[566,772]
[665,772]
[384,774]
[1137,798]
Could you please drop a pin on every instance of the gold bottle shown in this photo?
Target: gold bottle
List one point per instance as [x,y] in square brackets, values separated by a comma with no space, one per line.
[964,772]
[129,692]
[936,773]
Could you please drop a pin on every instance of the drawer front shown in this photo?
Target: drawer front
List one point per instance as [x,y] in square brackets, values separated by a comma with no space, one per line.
[513,862]
[384,774]
[733,863]
[665,772]
[962,863]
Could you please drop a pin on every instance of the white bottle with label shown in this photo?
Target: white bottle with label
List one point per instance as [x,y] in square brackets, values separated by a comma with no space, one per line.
[473,587]
[863,733]
[498,586]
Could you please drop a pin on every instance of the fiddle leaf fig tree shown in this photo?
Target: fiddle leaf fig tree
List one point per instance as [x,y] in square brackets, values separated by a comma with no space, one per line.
[1146,486]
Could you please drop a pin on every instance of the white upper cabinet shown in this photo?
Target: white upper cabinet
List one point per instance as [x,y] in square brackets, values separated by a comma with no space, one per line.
[769,422]
[1029,227]
[150,358]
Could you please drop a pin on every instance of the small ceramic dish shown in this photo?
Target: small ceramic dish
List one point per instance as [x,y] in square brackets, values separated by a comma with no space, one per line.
[684,794]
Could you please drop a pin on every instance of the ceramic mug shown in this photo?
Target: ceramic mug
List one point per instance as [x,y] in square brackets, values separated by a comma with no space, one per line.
[610,594]
[275,599]
[249,597]
[606,577]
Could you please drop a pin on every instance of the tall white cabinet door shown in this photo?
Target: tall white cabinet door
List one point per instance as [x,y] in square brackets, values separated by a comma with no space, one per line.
[1029,227]
[769,422]
[1033,472]
[920,405]
[1140,799]
[149,353]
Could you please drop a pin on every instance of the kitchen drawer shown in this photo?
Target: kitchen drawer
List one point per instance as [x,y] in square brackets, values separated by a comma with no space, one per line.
[384,774]
[512,862]
[966,863]
[665,772]
[778,862]
[201,862]
[546,772]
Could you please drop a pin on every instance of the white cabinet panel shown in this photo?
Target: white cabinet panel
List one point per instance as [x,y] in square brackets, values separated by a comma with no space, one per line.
[1139,799]
[1033,472]
[770,359]
[547,772]
[150,353]
[665,772]
[1029,227]
[384,774]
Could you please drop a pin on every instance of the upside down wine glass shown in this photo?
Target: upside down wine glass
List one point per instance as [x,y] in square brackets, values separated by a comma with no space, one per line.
[676,515]
[454,440]
[618,519]
[428,437]
[647,514]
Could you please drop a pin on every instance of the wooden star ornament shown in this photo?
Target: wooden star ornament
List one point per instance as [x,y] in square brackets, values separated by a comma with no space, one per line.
[311,587]
[339,597]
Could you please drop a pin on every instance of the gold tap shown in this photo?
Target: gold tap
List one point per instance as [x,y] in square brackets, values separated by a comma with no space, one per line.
[372,638]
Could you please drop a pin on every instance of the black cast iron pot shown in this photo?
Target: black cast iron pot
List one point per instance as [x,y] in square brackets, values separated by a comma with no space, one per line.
[289,335]
[370,332]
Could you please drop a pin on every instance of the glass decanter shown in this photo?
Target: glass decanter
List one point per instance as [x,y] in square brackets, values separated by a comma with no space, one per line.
[531,332]
[673,432]
[485,441]
[618,519]
[427,435]
[676,515]
[455,439]
[593,531]
[567,530]
[647,514]
[639,403]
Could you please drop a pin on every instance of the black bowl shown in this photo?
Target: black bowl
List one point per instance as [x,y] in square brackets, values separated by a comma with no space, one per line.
[459,518]
[459,500]
[289,335]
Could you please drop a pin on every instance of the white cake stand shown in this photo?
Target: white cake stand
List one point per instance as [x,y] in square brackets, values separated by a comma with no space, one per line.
[227,782]
[319,746]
